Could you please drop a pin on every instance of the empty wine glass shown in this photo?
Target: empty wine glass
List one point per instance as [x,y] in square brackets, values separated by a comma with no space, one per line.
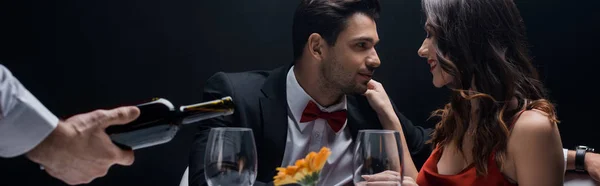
[230,157]
[378,152]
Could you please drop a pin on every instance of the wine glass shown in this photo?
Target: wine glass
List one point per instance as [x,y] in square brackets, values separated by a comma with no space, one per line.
[230,157]
[377,152]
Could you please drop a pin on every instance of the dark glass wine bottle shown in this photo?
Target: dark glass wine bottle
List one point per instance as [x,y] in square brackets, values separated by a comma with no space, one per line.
[159,121]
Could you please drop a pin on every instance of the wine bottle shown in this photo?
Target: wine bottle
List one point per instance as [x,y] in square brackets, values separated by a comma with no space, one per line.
[159,121]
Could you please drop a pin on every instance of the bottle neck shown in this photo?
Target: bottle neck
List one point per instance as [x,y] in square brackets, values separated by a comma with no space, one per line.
[202,111]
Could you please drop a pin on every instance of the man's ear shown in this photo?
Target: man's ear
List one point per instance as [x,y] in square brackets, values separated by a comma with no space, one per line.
[316,46]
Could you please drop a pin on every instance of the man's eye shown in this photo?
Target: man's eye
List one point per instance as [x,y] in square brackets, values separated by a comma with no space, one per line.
[361,45]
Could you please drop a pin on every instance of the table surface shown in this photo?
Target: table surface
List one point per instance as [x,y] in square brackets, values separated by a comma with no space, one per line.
[571,179]
[579,179]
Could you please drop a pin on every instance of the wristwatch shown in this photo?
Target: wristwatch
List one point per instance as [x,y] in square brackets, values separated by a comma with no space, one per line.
[580,157]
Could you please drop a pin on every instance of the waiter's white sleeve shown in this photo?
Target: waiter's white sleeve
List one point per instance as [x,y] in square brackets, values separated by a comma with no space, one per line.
[24,121]
[566,154]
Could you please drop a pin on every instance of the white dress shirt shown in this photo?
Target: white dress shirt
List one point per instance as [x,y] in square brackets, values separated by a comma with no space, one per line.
[24,121]
[306,137]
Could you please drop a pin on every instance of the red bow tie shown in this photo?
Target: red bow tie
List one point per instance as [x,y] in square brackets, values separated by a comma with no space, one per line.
[335,119]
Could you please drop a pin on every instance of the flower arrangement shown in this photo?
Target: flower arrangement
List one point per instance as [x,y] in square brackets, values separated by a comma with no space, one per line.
[305,172]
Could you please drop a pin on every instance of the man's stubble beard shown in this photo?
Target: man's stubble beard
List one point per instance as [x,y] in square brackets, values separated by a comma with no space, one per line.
[334,81]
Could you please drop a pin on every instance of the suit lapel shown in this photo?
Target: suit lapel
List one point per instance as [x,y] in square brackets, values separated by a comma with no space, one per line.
[274,122]
[274,111]
[360,115]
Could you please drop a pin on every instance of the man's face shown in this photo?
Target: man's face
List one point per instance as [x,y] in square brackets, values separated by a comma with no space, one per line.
[350,63]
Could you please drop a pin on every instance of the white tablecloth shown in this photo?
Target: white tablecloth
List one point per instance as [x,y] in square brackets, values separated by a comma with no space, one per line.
[571,179]
[578,179]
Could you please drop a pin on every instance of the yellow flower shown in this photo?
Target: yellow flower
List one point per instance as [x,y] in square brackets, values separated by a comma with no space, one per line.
[321,158]
[284,180]
[301,163]
[291,170]
[305,171]
[310,160]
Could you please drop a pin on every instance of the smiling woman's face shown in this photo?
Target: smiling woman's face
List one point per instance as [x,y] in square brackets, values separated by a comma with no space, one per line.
[429,52]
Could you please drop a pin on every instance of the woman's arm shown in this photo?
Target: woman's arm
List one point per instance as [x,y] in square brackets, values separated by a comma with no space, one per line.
[380,102]
[535,149]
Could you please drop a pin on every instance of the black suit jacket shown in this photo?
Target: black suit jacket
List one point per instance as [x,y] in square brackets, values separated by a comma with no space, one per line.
[261,104]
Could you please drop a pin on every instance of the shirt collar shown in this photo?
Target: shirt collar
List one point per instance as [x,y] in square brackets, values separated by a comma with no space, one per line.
[297,100]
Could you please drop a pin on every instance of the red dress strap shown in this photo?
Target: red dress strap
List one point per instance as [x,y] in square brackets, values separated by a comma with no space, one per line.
[429,176]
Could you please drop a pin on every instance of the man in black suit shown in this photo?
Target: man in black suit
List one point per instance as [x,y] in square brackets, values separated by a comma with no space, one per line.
[334,60]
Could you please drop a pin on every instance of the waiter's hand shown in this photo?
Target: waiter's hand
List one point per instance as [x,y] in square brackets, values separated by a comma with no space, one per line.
[78,150]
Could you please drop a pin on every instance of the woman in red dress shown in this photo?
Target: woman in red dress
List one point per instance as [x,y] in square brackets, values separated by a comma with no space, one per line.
[498,128]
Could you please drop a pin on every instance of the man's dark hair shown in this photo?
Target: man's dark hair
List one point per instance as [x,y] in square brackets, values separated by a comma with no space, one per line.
[327,18]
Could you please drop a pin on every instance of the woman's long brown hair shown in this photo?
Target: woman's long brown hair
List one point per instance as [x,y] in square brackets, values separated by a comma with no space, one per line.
[482,45]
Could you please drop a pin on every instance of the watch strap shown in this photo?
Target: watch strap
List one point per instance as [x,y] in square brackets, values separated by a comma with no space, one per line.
[579,160]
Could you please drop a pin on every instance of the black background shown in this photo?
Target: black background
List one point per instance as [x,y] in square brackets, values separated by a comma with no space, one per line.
[77,56]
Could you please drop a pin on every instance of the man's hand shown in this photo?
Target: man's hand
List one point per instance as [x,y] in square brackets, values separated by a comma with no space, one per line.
[78,150]
[387,178]
[592,165]
[378,98]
